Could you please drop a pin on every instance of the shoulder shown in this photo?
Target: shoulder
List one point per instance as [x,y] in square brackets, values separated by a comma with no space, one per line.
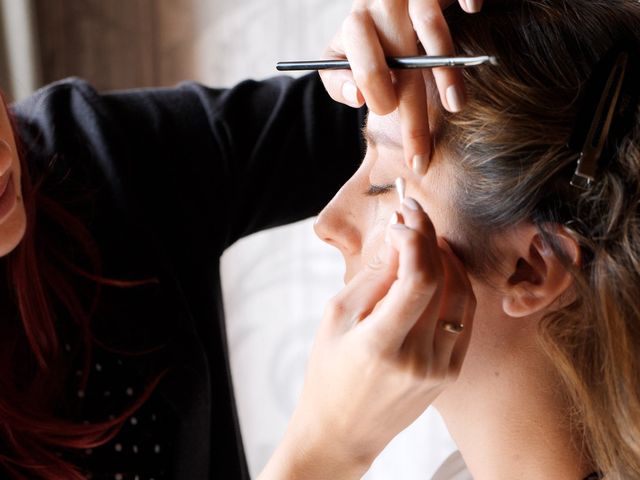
[71,145]
[58,99]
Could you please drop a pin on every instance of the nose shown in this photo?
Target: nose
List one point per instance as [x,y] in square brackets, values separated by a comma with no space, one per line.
[337,223]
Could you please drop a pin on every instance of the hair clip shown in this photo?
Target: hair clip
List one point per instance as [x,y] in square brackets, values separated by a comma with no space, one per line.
[585,174]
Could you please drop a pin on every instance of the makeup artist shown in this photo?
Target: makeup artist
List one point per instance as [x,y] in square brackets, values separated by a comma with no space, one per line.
[115,209]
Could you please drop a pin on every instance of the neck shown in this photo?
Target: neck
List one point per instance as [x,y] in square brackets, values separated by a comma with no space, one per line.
[512,423]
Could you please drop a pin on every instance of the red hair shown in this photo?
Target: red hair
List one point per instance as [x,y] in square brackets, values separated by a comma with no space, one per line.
[39,273]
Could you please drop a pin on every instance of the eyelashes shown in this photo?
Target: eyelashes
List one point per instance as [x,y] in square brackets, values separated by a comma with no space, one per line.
[375,190]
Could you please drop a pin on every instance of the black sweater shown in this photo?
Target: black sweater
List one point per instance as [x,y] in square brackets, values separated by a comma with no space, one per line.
[175,176]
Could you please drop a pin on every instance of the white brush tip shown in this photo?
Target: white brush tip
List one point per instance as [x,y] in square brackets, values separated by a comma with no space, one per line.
[400,188]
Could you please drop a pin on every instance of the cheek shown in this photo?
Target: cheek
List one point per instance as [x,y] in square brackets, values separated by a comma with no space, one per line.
[378,222]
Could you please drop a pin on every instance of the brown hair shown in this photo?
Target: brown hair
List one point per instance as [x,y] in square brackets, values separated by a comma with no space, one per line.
[512,138]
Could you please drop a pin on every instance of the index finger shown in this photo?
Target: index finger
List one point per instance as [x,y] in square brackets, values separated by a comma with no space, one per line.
[417,286]
[432,29]
[414,119]
[398,38]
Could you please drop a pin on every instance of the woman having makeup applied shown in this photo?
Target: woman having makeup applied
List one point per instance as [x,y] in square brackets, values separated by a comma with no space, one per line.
[114,211]
[535,187]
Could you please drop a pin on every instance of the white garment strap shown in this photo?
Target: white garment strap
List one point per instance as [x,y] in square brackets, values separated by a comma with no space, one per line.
[453,468]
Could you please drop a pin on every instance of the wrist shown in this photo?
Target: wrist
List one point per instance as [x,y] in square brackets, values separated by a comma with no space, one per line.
[311,454]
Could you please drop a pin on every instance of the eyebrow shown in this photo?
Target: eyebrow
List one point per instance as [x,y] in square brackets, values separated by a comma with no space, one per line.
[379,137]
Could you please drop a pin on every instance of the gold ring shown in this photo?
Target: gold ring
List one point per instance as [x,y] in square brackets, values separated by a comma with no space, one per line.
[452,327]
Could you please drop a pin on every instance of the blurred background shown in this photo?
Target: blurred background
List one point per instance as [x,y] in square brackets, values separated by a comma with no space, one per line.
[137,43]
[276,282]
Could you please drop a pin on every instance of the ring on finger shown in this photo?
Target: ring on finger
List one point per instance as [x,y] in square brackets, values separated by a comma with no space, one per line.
[452,327]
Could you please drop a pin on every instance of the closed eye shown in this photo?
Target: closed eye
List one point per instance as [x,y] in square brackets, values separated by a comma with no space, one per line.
[375,190]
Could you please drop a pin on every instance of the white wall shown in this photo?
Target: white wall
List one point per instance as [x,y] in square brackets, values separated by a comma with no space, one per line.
[19,48]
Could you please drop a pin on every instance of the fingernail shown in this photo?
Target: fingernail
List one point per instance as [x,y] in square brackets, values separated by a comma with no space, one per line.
[411,204]
[473,6]
[464,5]
[420,164]
[455,98]
[350,93]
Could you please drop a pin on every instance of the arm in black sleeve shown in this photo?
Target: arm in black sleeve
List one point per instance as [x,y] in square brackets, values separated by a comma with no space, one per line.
[203,164]
[290,149]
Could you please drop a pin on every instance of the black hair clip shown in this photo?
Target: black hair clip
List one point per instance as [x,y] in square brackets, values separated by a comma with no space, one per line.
[593,145]
[609,107]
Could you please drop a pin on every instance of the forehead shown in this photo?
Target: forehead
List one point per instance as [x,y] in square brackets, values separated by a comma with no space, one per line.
[383,131]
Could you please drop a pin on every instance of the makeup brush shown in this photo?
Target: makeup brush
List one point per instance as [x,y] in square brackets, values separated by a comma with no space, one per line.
[420,61]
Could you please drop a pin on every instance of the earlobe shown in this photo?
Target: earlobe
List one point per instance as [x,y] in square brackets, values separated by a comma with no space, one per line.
[538,276]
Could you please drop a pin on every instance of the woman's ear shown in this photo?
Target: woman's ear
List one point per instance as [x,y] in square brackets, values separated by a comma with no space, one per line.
[535,275]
